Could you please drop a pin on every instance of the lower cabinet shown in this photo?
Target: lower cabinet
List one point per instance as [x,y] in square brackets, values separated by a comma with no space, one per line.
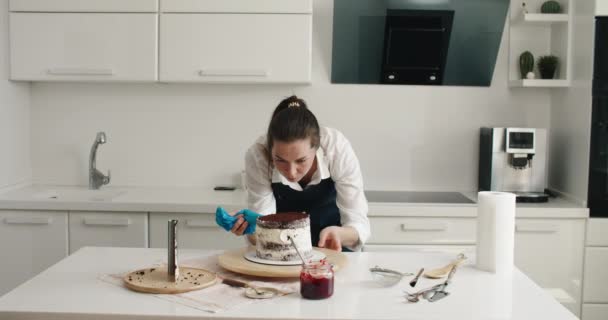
[194,231]
[549,251]
[108,229]
[595,311]
[30,242]
[452,249]
[595,295]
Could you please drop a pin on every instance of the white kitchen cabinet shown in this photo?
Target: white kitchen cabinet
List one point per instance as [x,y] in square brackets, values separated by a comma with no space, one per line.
[194,231]
[595,296]
[595,311]
[601,8]
[450,249]
[217,43]
[240,6]
[83,46]
[30,242]
[597,235]
[419,230]
[84,5]
[596,275]
[550,252]
[108,229]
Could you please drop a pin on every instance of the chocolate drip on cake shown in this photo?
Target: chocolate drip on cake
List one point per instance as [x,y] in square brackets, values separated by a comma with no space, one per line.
[289,220]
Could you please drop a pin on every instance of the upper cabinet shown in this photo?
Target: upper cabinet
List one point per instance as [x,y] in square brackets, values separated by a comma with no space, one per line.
[543,32]
[601,8]
[84,6]
[236,41]
[75,40]
[229,41]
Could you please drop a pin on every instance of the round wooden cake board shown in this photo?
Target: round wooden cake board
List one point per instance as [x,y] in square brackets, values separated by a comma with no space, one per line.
[234,260]
[156,280]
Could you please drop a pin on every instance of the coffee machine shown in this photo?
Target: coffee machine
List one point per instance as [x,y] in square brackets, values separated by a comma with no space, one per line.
[513,160]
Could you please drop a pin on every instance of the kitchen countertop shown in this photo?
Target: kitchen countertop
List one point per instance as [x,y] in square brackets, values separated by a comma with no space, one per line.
[71,290]
[205,200]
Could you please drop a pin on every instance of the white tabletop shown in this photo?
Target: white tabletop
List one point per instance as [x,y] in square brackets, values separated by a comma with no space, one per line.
[71,290]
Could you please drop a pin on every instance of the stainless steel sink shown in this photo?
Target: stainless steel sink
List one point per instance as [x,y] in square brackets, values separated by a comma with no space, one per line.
[416,197]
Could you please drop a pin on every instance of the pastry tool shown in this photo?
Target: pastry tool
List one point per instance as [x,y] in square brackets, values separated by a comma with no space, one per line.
[252,291]
[387,277]
[415,280]
[172,268]
[171,278]
[293,243]
[434,293]
[442,272]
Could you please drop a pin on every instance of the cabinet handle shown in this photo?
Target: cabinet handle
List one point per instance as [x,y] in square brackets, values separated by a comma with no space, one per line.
[200,223]
[107,221]
[80,72]
[233,73]
[28,220]
[536,228]
[424,227]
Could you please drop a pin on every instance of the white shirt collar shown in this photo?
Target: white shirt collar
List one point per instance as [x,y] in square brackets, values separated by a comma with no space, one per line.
[321,173]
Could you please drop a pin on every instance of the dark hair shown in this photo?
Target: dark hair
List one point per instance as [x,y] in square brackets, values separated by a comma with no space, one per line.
[291,121]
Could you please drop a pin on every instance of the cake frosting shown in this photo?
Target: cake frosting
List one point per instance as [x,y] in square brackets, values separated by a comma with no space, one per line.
[273,232]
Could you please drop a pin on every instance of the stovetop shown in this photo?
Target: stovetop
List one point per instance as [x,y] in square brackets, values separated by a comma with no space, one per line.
[416,196]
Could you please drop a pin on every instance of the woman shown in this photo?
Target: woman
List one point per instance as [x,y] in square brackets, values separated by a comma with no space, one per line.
[301,167]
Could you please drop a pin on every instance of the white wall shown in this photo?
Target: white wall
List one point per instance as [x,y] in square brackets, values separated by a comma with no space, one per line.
[407,137]
[571,113]
[15,165]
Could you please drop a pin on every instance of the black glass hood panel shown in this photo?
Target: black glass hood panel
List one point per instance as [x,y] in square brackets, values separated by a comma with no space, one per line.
[386,41]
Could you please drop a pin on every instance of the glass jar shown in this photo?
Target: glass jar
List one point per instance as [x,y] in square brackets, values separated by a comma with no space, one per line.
[317,280]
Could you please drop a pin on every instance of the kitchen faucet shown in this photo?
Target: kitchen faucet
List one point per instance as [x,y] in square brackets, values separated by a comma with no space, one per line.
[96,178]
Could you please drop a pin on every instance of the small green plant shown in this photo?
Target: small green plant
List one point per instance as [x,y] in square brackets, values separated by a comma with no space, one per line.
[547,65]
[551,6]
[526,63]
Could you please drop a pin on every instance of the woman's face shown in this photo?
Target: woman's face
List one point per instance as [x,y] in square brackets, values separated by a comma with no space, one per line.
[293,159]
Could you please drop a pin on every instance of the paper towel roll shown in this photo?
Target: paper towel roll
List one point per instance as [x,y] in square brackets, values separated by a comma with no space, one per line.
[495,231]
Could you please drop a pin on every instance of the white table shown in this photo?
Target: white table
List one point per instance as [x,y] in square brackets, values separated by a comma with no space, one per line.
[71,290]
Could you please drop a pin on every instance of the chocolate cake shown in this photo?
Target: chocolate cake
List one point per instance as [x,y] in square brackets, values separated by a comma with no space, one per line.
[273,232]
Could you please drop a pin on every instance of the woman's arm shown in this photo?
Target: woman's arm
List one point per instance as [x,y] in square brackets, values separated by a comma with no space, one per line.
[259,191]
[351,201]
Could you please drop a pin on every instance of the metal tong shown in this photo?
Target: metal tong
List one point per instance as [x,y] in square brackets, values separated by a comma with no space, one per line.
[434,293]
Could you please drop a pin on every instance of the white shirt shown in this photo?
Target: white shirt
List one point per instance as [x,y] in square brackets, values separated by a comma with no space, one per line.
[335,159]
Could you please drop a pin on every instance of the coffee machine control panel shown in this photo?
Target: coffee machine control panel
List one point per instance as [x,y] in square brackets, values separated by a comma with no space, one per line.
[520,140]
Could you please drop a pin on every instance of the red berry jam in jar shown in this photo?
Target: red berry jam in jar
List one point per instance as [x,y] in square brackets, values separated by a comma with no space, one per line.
[317,280]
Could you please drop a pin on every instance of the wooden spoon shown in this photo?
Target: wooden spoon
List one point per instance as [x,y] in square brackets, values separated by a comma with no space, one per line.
[442,272]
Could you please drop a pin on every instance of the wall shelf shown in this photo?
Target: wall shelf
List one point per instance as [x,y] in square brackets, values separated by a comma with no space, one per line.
[542,34]
[540,83]
[545,18]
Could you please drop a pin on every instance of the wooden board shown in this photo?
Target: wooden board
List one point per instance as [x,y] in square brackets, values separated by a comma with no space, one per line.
[156,280]
[235,261]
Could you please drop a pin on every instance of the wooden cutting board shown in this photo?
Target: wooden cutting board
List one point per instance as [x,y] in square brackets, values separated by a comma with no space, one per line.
[155,280]
[234,260]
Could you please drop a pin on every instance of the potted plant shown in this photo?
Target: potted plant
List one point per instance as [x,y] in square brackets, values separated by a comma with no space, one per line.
[547,65]
[526,64]
[551,7]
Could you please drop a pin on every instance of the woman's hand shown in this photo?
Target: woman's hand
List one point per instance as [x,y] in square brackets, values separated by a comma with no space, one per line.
[330,238]
[335,237]
[239,226]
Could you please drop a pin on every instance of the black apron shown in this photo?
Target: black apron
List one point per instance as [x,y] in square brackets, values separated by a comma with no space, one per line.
[319,201]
